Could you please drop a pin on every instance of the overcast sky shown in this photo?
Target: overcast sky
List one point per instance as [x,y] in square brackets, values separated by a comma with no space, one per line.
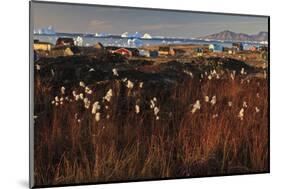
[92,19]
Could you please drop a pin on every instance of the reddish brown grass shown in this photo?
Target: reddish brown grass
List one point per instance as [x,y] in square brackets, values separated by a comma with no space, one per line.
[130,146]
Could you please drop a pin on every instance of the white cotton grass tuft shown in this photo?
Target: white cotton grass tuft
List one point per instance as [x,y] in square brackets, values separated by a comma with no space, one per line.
[245,104]
[209,77]
[62,90]
[188,73]
[81,95]
[196,106]
[264,74]
[217,76]
[141,84]
[241,114]
[87,103]
[96,107]
[242,71]
[137,109]
[156,111]
[214,100]
[215,116]
[115,72]
[91,70]
[229,103]
[88,90]
[258,95]
[108,95]
[37,67]
[82,84]
[206,98]
[232,76]
[130,84]
[77,97]
[152,104]
[257,109]
[57,99]
[97,117]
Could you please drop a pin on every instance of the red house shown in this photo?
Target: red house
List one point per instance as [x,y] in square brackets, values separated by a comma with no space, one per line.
[124,52]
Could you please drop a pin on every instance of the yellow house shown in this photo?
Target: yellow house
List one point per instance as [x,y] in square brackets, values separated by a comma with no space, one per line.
[40,45]
[166,51]
[64,51]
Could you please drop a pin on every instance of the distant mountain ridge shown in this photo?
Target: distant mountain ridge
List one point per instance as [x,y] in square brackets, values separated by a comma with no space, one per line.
[232,36]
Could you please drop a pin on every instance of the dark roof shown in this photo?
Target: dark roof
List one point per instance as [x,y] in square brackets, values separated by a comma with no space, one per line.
[179,51]
[36,41]
[164,48]
[65,40]
[89,50]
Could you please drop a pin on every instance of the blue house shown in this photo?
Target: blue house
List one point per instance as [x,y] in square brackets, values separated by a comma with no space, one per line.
[153,54]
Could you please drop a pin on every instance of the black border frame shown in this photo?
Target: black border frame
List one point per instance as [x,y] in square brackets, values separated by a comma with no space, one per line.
[31,96]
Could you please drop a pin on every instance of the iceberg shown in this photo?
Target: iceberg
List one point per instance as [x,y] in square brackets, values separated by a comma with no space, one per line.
[125,34]
[134,42]
[136,35]
[146,36]
[100,34]
[45,31]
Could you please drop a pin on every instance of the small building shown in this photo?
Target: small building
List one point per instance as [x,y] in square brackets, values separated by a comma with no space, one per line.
[124,52]
[144,53]
[249,47]
[43,46]
[147,53]
[199,51]
[216,47]
[237,46]
[153,54]
[113,49]
[263,48]
[179,52]
[253,48]
[64,51]
[166,51]
[211,46]
[65,41]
